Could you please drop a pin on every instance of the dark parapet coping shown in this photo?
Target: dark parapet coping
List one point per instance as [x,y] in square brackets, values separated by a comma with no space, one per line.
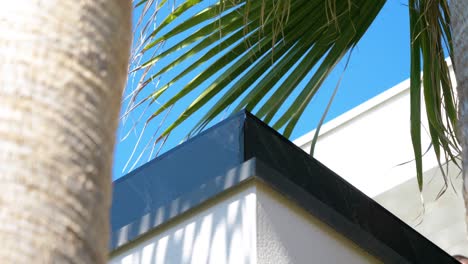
[241,149]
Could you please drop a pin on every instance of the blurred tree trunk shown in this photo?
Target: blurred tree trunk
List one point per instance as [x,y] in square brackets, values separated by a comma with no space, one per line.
[459,17]
[63,64]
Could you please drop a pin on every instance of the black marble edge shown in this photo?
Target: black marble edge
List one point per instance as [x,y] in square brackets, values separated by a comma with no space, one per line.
[376,244]
[326,214]
[181,205]
[360,234]
[255,169]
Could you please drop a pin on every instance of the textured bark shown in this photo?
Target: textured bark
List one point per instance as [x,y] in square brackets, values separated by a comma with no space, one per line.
[459,17]
[63,65]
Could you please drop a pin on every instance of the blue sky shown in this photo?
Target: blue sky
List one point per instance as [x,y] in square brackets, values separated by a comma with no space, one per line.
[380,61]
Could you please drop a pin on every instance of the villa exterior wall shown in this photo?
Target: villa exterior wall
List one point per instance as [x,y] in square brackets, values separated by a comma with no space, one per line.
[286,234]
[243,216]
[366,145]
[370,147]
[250,225]
[222,231]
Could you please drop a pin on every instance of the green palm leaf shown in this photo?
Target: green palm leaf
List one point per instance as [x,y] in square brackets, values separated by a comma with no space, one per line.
[272,41]
[258,54]
[429,22]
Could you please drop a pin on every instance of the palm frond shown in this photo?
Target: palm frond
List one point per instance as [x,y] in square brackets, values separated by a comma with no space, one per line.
[261,41]
[260,55]
[429,35]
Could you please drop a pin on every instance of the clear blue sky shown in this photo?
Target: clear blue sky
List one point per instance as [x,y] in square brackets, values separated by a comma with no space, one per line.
[380,61]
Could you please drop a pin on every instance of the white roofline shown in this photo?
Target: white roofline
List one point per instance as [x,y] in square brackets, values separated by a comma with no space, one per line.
[358,110]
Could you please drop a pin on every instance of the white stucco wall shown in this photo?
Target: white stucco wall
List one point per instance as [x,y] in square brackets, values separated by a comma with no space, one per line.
[286,234]
[367,145]
[442,219]
[252,224]
[256,225]
[223,231]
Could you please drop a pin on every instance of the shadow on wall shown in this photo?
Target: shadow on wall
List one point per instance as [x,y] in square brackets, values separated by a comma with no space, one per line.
[220,233]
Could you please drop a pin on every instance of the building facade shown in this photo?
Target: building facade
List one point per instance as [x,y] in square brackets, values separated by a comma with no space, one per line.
[370,146]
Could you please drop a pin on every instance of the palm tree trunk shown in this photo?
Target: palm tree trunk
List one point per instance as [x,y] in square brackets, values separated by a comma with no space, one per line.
[63,64]
[459,18]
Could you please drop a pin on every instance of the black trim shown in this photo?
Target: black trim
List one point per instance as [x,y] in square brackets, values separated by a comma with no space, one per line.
[243,148]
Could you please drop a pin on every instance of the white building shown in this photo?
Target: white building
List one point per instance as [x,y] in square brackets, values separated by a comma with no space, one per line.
[366,145]
[240,193]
